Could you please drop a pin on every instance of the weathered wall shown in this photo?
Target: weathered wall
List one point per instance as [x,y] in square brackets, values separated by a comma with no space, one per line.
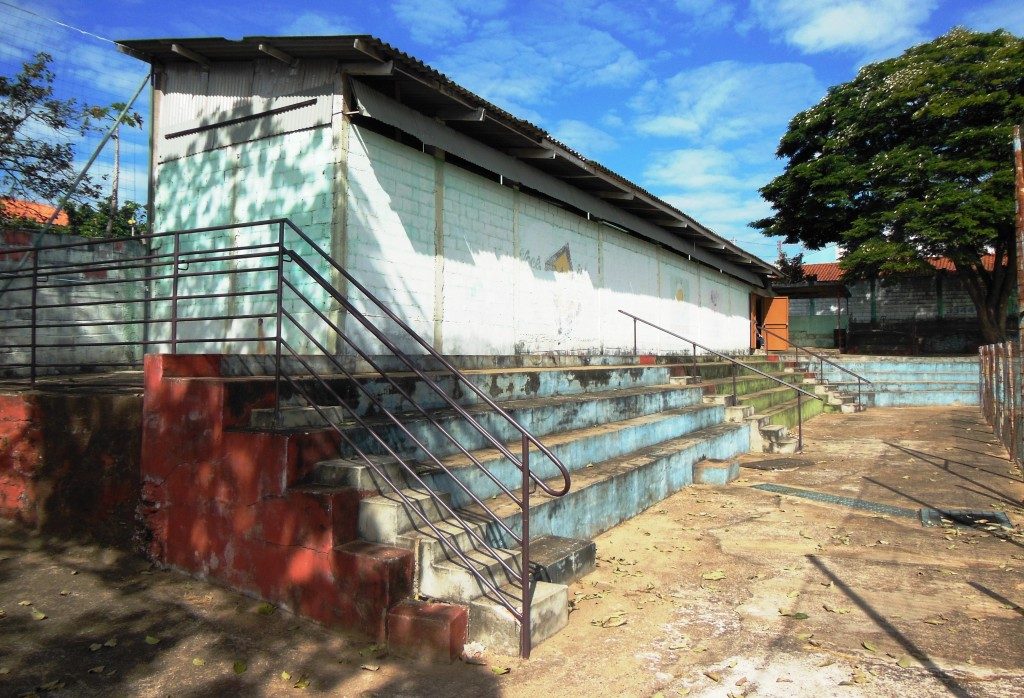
[72,343]
[456,252]
[473,266]
[70,463]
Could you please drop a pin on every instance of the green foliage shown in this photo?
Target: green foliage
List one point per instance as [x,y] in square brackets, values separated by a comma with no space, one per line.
[36,136]
[91,221]
[792,268]
[911,159]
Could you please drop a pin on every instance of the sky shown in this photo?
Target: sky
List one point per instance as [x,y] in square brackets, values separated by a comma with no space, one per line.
[687,98]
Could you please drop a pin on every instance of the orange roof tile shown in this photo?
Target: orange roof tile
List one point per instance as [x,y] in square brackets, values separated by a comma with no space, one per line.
[830,271]
[37,213]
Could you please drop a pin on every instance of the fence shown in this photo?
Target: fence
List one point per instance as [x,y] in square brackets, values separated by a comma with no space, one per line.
[1000,394]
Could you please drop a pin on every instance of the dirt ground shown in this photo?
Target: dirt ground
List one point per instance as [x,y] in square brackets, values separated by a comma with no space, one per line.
[727,591]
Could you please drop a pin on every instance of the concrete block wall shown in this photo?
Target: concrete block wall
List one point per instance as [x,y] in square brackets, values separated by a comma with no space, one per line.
[481,268]
[75,346]
[280,176]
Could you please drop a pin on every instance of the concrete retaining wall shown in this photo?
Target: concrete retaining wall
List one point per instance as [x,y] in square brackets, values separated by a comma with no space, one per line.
[75,346]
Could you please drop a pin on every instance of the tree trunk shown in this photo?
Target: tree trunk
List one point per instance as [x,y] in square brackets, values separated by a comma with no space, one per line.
[990,291]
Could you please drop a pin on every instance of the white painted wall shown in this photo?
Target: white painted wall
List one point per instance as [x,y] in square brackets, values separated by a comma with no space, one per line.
[476,276]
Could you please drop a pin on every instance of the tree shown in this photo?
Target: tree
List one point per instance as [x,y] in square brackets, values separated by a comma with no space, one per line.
[37,132]
[93,221]
[912,160]
[792,268]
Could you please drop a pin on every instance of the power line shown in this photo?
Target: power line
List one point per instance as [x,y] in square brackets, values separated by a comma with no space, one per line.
[51,19]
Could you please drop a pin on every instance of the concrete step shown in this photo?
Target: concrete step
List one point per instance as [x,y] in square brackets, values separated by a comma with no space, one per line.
[578,449]
[383,518]
[451,578]
[764,400]
[541,416]
[499,384]
[496,628]
[785,413]
[613,490]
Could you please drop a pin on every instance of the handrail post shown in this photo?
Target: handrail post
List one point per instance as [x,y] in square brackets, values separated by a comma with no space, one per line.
[693,362]
[525,640]
[35,293]
[174,293]
[280,319]
[799,424]
[734,384]
[635,351]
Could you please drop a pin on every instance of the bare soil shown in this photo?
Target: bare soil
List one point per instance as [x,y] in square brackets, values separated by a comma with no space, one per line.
[713,592]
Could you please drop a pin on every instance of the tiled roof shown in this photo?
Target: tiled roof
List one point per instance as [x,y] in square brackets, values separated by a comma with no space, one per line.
[830,271]
[27,210]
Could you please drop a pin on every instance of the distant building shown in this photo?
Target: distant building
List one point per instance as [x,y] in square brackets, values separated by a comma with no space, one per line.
[926,313]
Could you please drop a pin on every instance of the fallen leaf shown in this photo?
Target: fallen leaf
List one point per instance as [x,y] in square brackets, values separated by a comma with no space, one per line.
[265,609]
[94,646]
[713,576]
[198,661]
[25,602]
[303,682]
[64,592]
[500,670]
[905,662]
[714,676]
[152,640]
[38,615]
[97,669]
[370,667]
[112,642]
[285,676]
[240,666]
[870,647]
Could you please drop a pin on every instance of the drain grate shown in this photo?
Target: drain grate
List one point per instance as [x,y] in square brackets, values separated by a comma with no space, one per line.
[851,502]
[970,518]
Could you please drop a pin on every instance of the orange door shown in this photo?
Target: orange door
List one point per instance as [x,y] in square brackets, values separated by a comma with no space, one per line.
[776,320]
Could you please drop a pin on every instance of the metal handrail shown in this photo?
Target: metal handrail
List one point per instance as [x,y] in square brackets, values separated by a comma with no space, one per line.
[735,363]
[170,264]
[821,361]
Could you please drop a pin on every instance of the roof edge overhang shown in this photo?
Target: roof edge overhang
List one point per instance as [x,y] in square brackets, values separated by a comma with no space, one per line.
[440,99]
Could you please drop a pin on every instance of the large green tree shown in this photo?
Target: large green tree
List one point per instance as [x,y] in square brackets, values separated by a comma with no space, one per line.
[912,159]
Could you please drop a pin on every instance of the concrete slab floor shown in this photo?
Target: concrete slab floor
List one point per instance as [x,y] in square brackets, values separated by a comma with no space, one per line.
[712,592]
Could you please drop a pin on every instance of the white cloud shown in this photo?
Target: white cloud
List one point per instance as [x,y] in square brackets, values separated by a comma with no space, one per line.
[1001,14]
[430,21]
[583,137]
[316,24]
[707,13]
[726,101]
[699,168]
[866,26]
[522,65]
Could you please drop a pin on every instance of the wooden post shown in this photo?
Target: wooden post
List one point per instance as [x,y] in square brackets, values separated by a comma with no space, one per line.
[1018,170]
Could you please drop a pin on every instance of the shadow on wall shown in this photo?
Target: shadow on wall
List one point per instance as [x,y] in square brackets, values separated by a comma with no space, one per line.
[69,464]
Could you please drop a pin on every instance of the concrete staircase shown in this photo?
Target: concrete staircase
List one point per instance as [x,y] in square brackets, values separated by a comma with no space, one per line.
[324,520]
[903,381]
[629,435]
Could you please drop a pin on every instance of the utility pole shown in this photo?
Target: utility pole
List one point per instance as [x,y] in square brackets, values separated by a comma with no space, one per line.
[116,180]
[1018,168]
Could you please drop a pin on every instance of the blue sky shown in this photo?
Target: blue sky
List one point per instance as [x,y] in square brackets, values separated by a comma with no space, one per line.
[687,98]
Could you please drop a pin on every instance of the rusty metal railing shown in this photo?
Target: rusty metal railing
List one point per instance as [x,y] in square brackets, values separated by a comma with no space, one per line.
[736,365]
[1000,394]
[821,363]
[152,290]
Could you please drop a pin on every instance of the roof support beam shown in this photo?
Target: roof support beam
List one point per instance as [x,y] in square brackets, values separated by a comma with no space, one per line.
[616,195]
[532,153]
[191,55]
[377,106]
[278,54]
[461,114]
[369,69]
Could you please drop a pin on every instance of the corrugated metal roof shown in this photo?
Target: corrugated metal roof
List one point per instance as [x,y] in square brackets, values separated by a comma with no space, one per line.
[424,87]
